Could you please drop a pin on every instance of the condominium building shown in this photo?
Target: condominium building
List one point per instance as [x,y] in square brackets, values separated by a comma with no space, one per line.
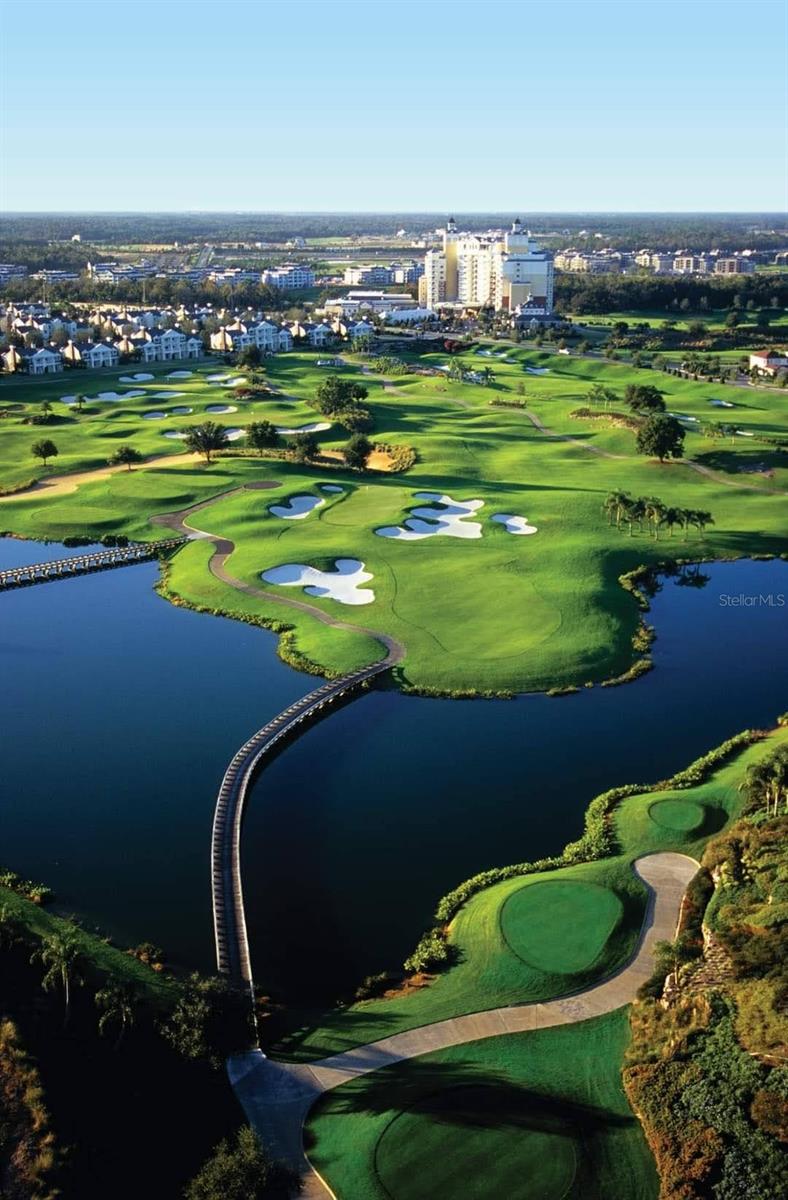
[506,272]
[693,264]
[735,265]
[289,275]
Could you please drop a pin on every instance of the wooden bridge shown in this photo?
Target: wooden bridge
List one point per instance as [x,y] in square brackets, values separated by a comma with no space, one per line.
[83,564]
[232,945]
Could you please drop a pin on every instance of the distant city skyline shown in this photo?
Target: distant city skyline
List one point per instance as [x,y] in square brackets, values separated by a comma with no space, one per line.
[427,107]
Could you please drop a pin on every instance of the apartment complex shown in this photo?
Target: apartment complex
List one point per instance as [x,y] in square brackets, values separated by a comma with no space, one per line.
[289,275]
[378,275]
[507,272]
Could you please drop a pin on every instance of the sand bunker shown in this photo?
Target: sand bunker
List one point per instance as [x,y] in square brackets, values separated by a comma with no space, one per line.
[68,399]
[234,433]
[156,415]
[175,433]
[722,403]
[514,524]
[221,408]
[217,378]
[683,417]
[140,377]
[450,520]
[235,382]
[121,395]
[744,433]
[165,395]
[330,487]
[179,374]
[296,508]
[341,585]
[538,370]
[312,427]
[180,410]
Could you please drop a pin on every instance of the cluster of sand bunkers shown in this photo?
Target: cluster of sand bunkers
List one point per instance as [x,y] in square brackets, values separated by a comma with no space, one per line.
[449,519]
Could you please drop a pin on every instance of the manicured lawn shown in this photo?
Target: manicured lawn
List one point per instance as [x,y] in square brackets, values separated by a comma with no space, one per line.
[496,612]
[537,1116]
[535,937]
[560,926]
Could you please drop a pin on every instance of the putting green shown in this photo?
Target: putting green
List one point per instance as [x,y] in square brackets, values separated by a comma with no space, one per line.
[481,1142]
[560,926]
[680,816]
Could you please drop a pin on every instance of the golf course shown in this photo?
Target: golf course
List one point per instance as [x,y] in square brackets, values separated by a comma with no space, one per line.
[490,560]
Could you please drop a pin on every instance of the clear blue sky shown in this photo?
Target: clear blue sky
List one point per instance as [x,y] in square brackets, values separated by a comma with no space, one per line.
[412,105]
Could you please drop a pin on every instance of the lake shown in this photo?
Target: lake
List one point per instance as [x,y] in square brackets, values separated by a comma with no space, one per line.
[120,712]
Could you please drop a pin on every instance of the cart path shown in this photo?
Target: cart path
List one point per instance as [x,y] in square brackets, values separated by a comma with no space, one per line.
[277,1096]
[62,485]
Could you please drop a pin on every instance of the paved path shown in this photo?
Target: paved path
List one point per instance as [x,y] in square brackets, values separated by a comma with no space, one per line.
[277,1096]
[63,485]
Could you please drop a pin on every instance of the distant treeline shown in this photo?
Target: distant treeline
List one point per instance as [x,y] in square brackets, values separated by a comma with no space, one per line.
[627,230]
[158,292]
[644,293]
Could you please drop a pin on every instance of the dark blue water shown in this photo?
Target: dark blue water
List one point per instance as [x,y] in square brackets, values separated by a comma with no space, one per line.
[355,831]
[119,713]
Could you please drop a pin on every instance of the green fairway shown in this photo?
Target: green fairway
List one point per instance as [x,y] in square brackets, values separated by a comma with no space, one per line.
[560,926]
[536,1116]
[678,815]
[565,929]
[494,611]
[482,1141]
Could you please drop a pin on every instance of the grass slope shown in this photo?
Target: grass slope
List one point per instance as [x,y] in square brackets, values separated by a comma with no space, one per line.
[539,1115]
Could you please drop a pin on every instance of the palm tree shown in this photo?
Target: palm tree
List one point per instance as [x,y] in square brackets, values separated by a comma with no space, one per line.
[118,1004]
[11,928]
[487,376]
[766,782]
[63,959]
[79,401]
[616,505]
[673,517]
[206,438]
[46,409]
[655,512]
[636,511]
[701,519]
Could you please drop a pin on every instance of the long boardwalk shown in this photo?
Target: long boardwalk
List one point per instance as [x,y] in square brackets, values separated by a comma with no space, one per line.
[84,564]
[232,946]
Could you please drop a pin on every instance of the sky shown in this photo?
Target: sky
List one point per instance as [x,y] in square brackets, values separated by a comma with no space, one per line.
[417,105]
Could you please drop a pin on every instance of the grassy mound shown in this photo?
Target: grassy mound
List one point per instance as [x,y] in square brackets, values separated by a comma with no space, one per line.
[681,816]
[444,1145]
[560,926]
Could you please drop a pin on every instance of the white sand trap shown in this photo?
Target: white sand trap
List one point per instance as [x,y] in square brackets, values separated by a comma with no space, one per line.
[538,370]
[68,399]
[140,377]
[157,415]
[121,395]
[221,408]
[485,353]
[296,508]
[175,433]
[217,378]
[180,374]
[235,382]
[450,520]
[514,524]
[722,403]
[330,487]
[234,433]
[682,416]
[165,395]
[181,410]
[744,433]
[312,427]
[341,585]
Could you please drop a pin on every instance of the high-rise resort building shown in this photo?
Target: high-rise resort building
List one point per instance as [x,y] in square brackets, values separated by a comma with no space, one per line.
[506,271]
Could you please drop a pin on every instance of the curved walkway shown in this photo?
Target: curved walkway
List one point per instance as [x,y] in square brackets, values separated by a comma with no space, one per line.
[277,1096]
[63,485]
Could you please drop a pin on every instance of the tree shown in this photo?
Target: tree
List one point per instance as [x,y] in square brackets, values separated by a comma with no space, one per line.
[599,394]
[644,398]
[262,435]
[655,513]
[763,319]
[698,518]
[661,436]
[117,1003]
[766,782]
[61,956]
[250,357]
[732,319]
[357,450]
[335,394]
[209,1021]
[616,505]
[125,456]
[79,401]
[240,1170]
[456,371]
[305,446]
[487,376]
[44,449]
[205,439]
[673,517]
